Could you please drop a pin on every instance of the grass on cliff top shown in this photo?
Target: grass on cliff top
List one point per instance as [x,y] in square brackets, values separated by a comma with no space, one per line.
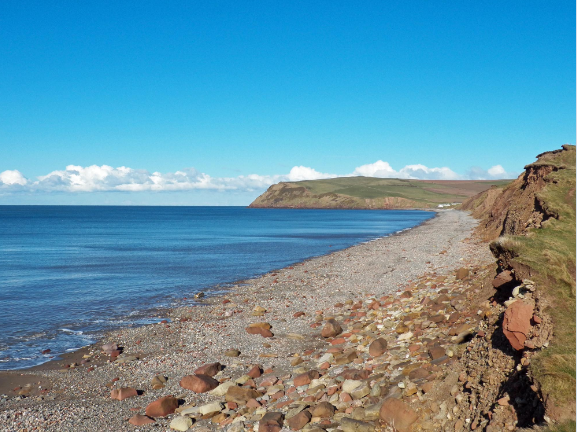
[428,192]
[550,251]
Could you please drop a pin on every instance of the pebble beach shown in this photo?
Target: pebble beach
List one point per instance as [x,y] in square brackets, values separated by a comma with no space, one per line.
[333,343]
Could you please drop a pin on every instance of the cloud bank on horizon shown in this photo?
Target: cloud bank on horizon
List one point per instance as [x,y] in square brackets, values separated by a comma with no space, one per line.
[105,178]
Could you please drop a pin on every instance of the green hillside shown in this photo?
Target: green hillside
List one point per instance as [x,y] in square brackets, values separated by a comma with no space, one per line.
[369,192]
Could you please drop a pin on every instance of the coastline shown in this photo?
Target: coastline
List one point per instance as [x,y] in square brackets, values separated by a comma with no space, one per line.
[201,333]
[165,312]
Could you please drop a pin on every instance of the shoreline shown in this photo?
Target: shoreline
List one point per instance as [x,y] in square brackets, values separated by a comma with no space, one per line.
[200,334]
[214,291]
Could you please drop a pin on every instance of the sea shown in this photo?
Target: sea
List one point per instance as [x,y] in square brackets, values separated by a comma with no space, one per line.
[70,273]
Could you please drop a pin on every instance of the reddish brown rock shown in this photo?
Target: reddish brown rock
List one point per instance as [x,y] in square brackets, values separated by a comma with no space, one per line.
[241,395]
[271,422]
[210,369]
[259,330]
[305,378]
[462,273]
[324,410]
[331,329]
[298,314]
[418,373]
[162,407]
[140,420]
[300,420]
[502,278]
[255,372]
[199,383]
[123,393]
[436,352]
[517,323]
[397,414]
[378,347]
[355,374]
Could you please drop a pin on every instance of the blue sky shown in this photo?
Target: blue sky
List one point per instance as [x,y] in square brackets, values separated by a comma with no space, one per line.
[210,102]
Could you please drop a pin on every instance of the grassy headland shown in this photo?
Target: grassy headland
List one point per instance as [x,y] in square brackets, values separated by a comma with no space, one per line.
[371,193]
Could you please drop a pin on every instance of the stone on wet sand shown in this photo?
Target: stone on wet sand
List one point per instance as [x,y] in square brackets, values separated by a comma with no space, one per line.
[162,407]
[397,414]
[123,393]
[140,420]
[199,383]
[331,329]
[181,423]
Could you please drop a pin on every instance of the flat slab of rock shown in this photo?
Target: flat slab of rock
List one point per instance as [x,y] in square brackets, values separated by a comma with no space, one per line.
[517,323]
[397,414]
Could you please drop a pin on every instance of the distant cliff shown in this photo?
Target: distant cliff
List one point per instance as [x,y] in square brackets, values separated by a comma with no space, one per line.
[370,193]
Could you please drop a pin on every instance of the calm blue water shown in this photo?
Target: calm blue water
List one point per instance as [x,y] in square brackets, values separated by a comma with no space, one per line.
[69,273]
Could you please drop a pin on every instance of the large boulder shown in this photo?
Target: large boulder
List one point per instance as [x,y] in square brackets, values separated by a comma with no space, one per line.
[517,323]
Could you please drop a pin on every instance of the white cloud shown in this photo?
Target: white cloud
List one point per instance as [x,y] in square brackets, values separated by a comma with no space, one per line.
[384,170]
[12,177]
[94,178]
[493,173]
[377,169]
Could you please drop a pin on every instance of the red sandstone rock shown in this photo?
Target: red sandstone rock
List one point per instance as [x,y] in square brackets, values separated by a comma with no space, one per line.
[123,393]
[210,369]
[241,395]
[162,407]
[377,347]
[305,378]
[324,410]
[255,372]
[199,383]
[140,420]
[331,329]
[436,352]
[398,414]
[517,323]
[462,273]
[502,278]
[300,420]
[271,422]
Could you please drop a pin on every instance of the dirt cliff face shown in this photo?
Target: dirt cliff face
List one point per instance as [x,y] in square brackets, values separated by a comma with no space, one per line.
[531,223]
[516,208]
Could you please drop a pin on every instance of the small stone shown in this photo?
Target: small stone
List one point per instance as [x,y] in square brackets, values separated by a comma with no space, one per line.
[299,420]
[232,353]
[305,378]
[436,352]
[377,347]
[255,372]
[271,422]
[397,414]
[462,273]
[199,383]
[210,408]
[140,420]
[123,393]
[181,423]
[351,425]
[241,395]
[162,407]
[323,410]
[210,369]
[331,329]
